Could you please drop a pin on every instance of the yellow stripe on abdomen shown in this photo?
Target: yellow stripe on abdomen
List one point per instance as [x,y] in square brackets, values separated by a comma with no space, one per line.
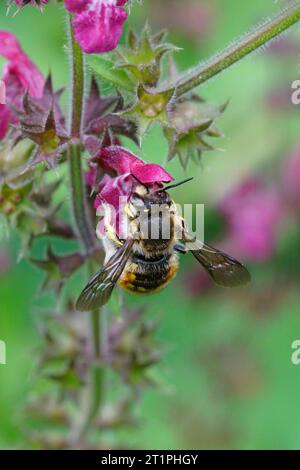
[146,279]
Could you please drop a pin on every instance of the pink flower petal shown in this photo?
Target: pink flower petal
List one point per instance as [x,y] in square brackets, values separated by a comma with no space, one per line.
[150,173]
[115,192]
[26,77]
[76,6]
[253,213]
[118,159]
[122,161]
[115,188]
[20,66]
[19,75]
[291,177]
[4,120]
[99,29]
[9,46]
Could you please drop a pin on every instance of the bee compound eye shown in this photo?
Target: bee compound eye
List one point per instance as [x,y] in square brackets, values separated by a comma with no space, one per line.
[141,190]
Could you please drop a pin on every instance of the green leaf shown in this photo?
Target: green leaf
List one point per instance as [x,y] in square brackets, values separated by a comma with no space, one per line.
[106,69]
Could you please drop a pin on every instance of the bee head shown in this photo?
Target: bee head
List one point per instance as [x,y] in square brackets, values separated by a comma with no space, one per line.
[144,196]
[148,195]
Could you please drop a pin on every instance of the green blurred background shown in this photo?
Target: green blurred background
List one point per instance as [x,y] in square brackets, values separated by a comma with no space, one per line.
[227,380]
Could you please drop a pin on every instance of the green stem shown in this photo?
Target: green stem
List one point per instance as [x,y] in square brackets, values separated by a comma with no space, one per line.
[243,47]
[78,195]
[80,210]
[96,384]
[97,371]
[77,82]
[81,214]
[95,317]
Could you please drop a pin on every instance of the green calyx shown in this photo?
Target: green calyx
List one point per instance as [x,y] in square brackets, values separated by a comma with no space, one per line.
[150,106]
[142,57]
[191,120]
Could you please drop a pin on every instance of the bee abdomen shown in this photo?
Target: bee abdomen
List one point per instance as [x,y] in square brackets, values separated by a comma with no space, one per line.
[149,275]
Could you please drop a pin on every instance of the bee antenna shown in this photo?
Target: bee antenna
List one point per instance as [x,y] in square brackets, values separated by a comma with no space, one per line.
[175,185]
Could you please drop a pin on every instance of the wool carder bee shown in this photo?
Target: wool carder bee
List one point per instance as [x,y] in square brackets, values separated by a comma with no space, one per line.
[145,264]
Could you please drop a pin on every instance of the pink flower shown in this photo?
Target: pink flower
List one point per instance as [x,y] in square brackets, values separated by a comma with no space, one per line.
[197,282]
[9,46]
[291,178]
[124,162]
[4,120]
[19,75]
[284,48]
[253,213]
[194,19]
[97,23]
[130,171]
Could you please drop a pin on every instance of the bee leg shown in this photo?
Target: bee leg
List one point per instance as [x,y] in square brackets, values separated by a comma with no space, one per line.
[129,213]
[179,248]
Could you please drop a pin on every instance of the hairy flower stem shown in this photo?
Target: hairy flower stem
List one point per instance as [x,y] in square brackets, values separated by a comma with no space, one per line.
[80,210]
[77,82]
[97,372]
[96,383]
[237,51]
[81,215]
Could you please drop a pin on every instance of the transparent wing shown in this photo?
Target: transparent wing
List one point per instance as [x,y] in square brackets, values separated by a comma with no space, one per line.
[98,290]
[222,268]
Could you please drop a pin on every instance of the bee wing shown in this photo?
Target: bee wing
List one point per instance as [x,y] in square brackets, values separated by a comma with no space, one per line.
[98,290]
[222,268]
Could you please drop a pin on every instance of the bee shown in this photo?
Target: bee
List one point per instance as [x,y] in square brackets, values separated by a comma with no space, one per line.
[146,264]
